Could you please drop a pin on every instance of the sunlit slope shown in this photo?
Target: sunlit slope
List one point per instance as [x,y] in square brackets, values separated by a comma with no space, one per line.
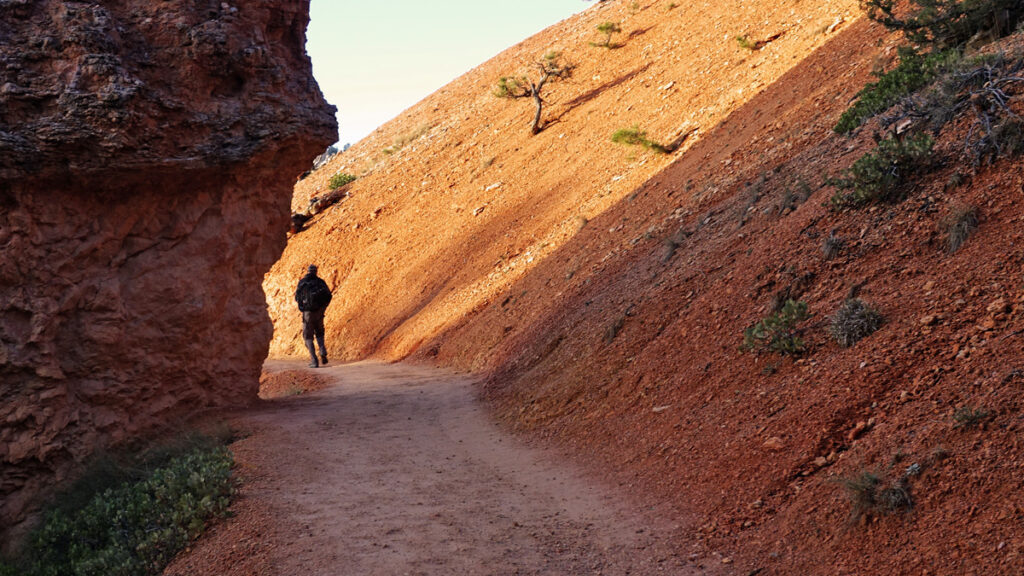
[457,200]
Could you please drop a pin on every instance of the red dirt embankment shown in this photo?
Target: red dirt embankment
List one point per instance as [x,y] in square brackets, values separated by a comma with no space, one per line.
[604,291]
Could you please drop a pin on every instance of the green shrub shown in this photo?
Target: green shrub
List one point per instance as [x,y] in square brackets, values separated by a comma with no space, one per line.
[746,43]
[779,332]
[854,321]
[948,23]
[608,28]
[636,137]
[881,174]
[868,497]
[968,417]
[135,528]
[339,180]
[914,71]
[550,67]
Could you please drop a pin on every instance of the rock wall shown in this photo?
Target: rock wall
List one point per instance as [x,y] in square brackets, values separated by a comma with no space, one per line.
[147,156]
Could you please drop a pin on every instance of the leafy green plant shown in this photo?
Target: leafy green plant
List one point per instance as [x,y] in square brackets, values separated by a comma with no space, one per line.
[914,71]
[854,321]
[746,43]
[137,527]
[780,331]
[339,180]
[607,28]
[636,137]
[968,417]
[550,68]
[881,174]
[948,23]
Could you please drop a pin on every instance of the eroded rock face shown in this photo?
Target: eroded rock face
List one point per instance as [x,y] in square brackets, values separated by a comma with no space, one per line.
[147,155]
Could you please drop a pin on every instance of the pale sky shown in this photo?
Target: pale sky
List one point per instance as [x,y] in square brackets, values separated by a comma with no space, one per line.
[375,58]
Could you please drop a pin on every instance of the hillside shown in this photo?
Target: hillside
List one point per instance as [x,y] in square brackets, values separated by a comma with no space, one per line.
[604,291]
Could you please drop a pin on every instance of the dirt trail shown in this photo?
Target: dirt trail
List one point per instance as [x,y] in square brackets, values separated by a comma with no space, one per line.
[396,469]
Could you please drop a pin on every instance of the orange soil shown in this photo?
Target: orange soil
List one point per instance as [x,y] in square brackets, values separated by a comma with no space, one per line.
[562,286]
[289,383]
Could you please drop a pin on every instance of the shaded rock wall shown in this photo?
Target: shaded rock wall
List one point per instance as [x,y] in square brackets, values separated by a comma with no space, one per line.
[147,154]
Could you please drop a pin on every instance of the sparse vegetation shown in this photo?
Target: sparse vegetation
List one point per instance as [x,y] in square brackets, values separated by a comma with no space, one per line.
[339,180]
[671,6]
[870,497]
[854,321]
[914,71]
[613,329]
[136,525]
[753,196]
[672,243]
[881,175]
[746,43]
[608,29]
[636,137]
[550,68]
[832,246]
[958,226]
[779,332]
[968,417]
[793,196]
[407,138]
[948,23]
[986,87]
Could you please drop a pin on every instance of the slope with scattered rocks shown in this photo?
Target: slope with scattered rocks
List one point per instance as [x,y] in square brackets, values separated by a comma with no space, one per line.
[604,291]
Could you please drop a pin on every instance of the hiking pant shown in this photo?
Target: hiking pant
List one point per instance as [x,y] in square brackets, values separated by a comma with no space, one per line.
[313,326]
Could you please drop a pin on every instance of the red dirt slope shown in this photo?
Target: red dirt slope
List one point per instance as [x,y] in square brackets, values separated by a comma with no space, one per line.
[619,335]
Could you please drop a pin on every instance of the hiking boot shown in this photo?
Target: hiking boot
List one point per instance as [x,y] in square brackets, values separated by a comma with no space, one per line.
[313,364]
[323,359]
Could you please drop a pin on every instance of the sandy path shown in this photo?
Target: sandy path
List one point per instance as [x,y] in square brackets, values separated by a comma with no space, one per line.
[396,469]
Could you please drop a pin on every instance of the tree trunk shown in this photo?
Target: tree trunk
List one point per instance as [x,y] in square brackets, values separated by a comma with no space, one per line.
[535,128]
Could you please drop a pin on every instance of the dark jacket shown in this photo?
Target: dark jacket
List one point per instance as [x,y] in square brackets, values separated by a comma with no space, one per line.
[312,293]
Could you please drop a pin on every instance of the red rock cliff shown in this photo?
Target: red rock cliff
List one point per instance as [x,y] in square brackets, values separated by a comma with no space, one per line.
[147,155]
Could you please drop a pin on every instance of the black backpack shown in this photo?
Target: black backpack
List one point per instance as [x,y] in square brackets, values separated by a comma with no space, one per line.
[312,294]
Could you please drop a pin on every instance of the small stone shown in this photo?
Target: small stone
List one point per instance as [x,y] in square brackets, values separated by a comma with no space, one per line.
[929,286]
[726,560]
[857,431]
[774,444]
[1000,306]
[820,461]
[928,320]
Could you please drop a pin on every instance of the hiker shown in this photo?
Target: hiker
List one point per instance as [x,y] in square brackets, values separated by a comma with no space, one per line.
[313,296]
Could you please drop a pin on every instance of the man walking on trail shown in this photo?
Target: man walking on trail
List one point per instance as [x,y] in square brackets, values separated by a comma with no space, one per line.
[313,296]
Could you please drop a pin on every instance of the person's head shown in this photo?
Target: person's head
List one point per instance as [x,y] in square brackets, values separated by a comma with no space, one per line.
[312,269]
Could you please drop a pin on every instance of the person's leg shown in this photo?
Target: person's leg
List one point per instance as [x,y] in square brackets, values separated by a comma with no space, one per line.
[318,331]
[307,335]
